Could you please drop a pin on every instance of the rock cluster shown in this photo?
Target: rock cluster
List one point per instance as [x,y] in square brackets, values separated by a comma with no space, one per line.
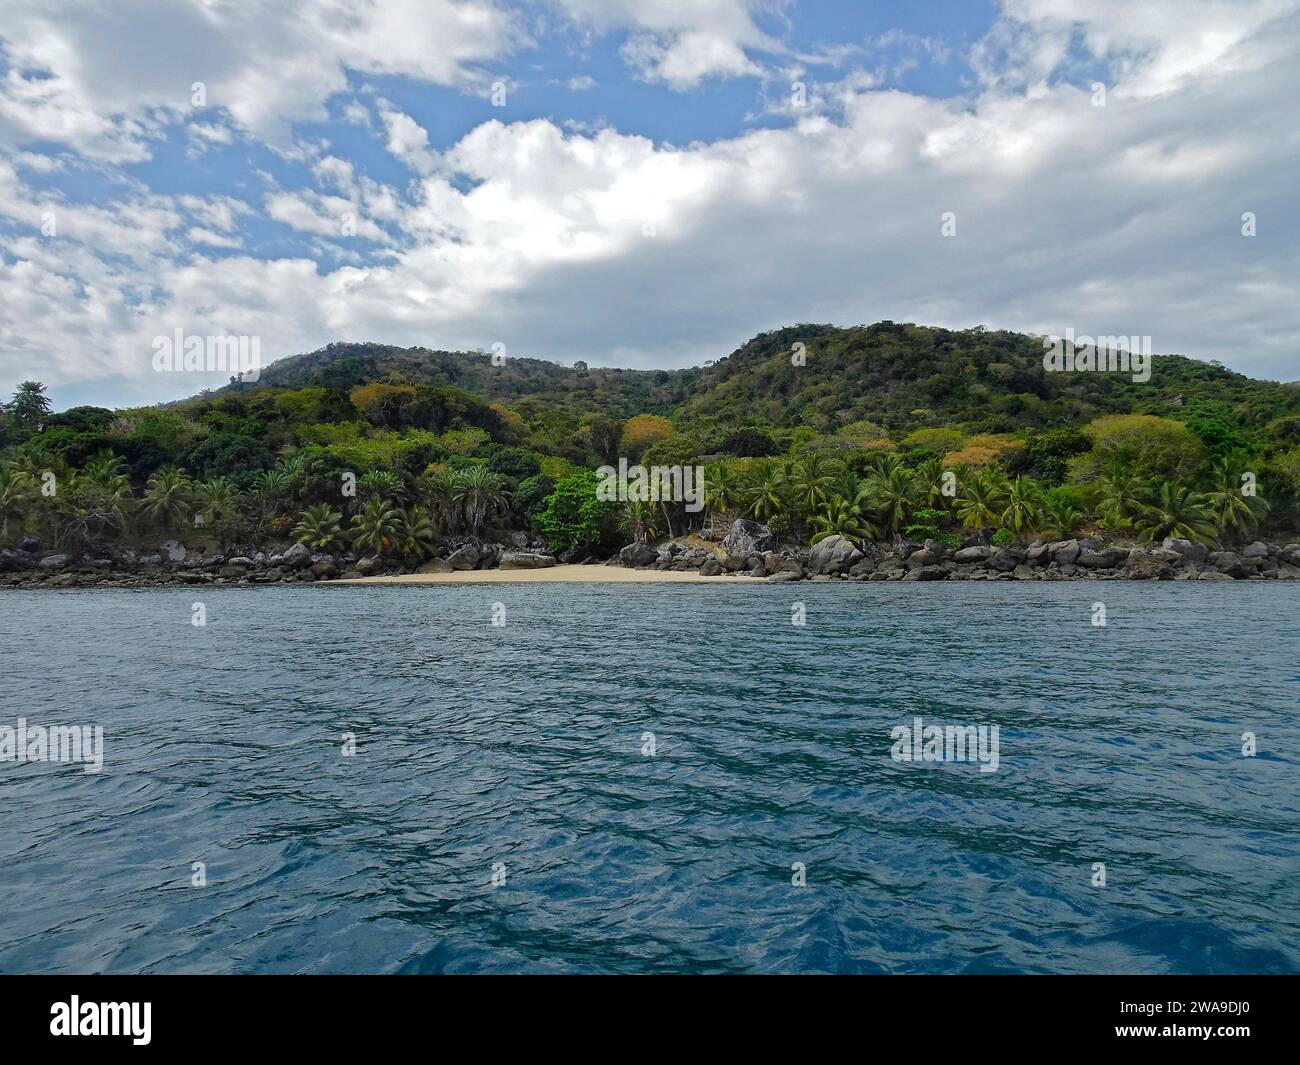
[27,566]
[838,558]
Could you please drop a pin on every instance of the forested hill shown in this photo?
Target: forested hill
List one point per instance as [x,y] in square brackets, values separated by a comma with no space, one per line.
[815,430]
[898,376]
[575,389]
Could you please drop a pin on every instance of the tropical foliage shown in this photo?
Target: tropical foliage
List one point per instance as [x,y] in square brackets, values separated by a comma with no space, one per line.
[902,431]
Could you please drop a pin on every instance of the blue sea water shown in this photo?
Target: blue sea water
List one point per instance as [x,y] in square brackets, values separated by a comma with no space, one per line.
[519,749]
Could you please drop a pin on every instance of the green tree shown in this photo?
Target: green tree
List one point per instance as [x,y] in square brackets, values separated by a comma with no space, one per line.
[1061,516]
[1024,500]
[574,516]
[891,494]
[1233,496]
[15,493]
[415,535]
[30,406]
[375,527]
[320,527]
[840,517]
[480,493]
[1181,513]
[166,497]
[983,499]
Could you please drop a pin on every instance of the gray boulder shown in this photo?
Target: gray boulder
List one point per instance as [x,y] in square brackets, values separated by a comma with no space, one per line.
[53,561]
[747,537]
[172,551]
[368,566]
[1255,550]
[1192,552]
[978,553]
[296,557]
[1065,552]
[1107,558]
[1154,565]
[711,568]
[526,560]
[1038,553]
[1228,562]
[781,576]
[636,556]
[464,558]
[835,554]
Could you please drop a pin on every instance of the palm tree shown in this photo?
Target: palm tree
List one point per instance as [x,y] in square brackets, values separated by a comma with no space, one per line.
[218,498]
[983,500]
[376,526]
[884,463]
[811,481]
[721,491]
[1060,516]
[439,486]
[107,471]
[1024,497]
[90,506]
[839,517]
[638,517]
[15,491]
[891,493]
[378,484]
[165,497]
[929,484]
[1235,511]
[415,535]
[1180,513]
[320,527]
[1119,498]
[480,492]
[768,491]
[269,487]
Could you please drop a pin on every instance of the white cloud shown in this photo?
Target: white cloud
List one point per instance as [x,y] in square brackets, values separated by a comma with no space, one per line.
[604,245]
[408,141]
[682,42]
[103,78]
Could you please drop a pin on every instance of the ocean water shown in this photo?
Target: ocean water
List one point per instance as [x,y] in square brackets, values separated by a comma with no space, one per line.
[520,751]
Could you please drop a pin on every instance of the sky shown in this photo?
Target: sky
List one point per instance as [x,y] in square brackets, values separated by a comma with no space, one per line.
[643,183]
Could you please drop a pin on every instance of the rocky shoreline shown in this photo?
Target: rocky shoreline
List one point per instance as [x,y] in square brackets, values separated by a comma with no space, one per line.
[751,549]
[748,548]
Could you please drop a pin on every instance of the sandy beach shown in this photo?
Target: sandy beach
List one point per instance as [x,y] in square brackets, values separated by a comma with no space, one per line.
[556,574]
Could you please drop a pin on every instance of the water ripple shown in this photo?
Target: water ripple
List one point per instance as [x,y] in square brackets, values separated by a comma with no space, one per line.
[522,745]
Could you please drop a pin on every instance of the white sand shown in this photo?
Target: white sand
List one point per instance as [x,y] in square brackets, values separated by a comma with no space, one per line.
[556,574]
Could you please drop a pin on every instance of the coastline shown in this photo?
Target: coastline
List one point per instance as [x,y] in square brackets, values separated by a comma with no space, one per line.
[562,574]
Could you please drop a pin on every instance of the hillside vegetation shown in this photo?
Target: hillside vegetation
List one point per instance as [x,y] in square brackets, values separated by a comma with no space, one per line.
[870,432]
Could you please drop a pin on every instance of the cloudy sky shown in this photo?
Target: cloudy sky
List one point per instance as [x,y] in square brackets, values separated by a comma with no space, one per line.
[638,182]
